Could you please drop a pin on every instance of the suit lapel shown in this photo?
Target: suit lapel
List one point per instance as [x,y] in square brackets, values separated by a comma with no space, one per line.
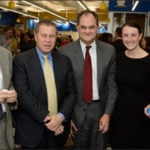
[35,64]
[99,62]
[57,68]
[5,69]
[78,55]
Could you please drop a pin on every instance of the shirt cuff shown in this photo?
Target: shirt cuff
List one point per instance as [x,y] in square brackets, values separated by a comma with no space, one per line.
[61,115]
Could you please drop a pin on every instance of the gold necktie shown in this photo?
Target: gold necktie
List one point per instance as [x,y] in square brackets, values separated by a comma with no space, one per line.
[50,85]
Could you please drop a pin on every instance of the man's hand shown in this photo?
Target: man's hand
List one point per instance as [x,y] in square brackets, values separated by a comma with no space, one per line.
[104,123]
[9,96]
[73,128]
[53,122]
[3,95]
[59,130]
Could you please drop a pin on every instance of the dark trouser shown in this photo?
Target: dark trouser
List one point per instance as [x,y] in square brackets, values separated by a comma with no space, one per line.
[48,142]
[88,137]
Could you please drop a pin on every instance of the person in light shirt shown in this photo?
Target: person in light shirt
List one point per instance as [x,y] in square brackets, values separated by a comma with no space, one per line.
[8,99]
[90,121]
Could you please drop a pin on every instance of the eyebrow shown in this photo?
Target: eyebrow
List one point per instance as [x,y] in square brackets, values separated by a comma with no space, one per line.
[84,26]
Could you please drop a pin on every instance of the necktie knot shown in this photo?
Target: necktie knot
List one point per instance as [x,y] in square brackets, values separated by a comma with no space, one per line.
[88,47]
[45,57]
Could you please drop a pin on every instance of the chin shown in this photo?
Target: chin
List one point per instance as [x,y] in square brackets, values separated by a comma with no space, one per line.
[89,41]
[46,51]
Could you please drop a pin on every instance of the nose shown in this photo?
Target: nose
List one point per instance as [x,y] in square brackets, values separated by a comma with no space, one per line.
[128,38]
[48,38]
[87,30]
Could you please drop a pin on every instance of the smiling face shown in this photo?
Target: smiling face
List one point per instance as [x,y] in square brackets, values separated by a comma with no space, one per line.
[87,28]
[131,37]
[46,38]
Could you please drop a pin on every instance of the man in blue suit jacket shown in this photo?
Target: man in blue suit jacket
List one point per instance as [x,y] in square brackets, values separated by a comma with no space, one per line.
[35,128]
[90,121]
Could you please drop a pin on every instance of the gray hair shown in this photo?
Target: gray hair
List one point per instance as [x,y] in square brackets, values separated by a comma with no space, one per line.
[45,22]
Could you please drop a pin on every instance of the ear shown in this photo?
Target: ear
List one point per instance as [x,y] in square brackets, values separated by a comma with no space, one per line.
[35,34]
[77,27]
[141,35]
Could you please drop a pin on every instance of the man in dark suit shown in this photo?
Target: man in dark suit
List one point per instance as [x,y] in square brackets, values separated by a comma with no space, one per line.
[117,43]
[36,126]
[90,121]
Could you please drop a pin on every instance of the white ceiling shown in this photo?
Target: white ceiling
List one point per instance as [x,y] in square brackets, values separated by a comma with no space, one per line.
[70,8]
[57,6]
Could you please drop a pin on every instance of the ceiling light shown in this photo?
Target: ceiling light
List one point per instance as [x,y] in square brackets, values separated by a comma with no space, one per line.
[44,9]
[135,4]
[18,12]
[82,4]
[11,4]
[72,22]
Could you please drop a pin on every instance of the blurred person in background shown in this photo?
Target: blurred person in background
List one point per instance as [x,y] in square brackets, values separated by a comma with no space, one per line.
[145,43]
[106,37]
[118,43]
[28,42]
[6,38]
[65,39]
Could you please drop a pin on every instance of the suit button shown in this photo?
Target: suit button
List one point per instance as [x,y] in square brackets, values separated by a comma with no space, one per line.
[84,109]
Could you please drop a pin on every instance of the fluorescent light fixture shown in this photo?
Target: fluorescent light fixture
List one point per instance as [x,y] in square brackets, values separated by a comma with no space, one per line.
[18,12]
[44,9]
[74,23]
[82,4]
[135,5]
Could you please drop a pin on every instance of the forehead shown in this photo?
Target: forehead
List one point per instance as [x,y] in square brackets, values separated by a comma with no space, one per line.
[9,31]
[18,31]
[87,19]
[129,29]
[47,28]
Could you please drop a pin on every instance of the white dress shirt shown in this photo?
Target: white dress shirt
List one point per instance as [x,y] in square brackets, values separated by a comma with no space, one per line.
[93,54]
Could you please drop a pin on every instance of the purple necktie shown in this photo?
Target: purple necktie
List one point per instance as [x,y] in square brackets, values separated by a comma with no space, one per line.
[87,83]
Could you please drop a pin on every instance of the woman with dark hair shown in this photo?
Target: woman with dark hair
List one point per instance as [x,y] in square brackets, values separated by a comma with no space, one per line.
[130,128]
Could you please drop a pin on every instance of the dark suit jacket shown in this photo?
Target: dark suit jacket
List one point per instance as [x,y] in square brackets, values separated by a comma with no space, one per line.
[32,96]
[106,68]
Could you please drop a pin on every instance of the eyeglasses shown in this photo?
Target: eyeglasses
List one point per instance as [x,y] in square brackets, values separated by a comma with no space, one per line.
[51,36]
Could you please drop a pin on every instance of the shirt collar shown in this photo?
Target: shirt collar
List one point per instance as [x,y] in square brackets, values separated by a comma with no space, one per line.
[83,45]
[40,54]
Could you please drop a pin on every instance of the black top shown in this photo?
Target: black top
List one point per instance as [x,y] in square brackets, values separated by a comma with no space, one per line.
[130,127]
